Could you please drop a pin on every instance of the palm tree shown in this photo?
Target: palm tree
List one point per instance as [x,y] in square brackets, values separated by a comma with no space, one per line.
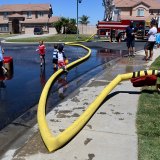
[84,21]
[71,28]
[68,25]
[58,26]
[65,22]
[72,21]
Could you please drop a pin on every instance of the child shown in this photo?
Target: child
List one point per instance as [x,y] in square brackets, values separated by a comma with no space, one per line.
[61,58]
[55,57]
[42,50]
[1,60]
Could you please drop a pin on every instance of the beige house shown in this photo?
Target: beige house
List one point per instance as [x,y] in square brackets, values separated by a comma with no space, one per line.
[23,18]
[138,9]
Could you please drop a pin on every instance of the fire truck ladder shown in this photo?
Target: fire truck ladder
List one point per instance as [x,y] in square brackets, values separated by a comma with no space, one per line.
[109,8]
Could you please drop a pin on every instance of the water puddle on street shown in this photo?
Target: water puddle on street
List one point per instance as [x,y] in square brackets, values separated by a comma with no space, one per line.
[19,94]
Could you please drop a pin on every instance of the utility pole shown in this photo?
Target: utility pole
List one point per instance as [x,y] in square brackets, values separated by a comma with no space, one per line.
[50,12]
[78,1]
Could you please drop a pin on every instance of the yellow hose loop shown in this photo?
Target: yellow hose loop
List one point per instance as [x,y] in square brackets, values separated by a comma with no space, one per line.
[50,141]
[54,142]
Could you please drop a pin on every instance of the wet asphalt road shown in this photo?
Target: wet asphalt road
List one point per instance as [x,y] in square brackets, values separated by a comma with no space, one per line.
[23,90]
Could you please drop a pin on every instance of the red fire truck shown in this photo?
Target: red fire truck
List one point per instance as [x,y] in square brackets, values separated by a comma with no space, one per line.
[116,29]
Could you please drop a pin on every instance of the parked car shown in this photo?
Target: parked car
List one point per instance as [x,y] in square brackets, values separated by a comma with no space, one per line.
[38,30]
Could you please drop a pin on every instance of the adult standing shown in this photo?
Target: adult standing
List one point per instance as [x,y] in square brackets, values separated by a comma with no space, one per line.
[112,35]
[130,39]
[151,40]
[1,60]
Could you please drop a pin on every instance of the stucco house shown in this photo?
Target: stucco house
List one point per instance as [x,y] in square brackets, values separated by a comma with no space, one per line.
[138,9]
[22,18]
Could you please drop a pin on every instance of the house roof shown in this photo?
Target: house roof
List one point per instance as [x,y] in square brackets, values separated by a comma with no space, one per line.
[125,3]
[154,4]
[144,3]
[24,7]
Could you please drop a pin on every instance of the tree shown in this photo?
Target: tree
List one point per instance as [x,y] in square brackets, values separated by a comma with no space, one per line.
[71,28]
[65,22]
[68,25]
[58,26]
[84,21]
[72,21]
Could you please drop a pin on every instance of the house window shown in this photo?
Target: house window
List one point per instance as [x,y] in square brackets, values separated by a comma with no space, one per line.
[40,14]
[5,14]
[36,14]
[151,12]
[140,12]
[4,28]
[29,14]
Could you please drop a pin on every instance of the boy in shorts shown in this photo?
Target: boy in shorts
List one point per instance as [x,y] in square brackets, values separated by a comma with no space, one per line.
[61,58]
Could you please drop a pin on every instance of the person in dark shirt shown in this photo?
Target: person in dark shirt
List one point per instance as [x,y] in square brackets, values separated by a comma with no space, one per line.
[130,39]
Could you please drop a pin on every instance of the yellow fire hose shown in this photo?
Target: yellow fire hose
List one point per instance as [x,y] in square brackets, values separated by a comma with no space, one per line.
[55,142]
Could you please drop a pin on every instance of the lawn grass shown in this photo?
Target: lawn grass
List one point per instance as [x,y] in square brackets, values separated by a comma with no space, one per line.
[148,122]
[52,38]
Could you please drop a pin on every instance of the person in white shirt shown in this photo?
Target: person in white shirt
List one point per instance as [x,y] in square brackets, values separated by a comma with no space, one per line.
[151,41]
[61,58]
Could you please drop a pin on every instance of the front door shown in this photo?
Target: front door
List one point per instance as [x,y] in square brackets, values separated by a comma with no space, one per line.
[15,26]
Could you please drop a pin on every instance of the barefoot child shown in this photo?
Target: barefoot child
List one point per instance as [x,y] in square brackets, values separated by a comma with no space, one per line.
[61,58]
[42,50]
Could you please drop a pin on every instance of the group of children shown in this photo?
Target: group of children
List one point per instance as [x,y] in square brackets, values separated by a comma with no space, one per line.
[59,58]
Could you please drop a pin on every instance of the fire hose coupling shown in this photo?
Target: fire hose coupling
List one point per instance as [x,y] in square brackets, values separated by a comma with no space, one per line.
[154,72]
[145,78]
[146,72]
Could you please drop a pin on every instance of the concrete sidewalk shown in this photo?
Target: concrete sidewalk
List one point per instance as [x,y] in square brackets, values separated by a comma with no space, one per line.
[111,132]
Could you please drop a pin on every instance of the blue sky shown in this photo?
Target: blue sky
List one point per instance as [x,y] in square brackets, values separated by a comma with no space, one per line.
[68,8]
